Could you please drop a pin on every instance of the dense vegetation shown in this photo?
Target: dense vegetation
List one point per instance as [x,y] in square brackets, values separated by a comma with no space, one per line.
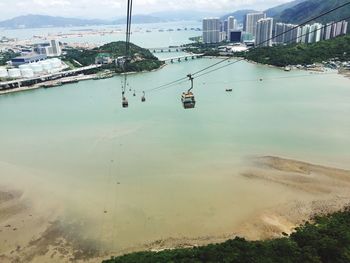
[6,56]
[301,53]
[311,8]
[201,48]
[326,240]
[142,59]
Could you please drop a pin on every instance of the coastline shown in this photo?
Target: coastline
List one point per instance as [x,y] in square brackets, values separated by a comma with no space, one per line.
[68,80]
[37,231]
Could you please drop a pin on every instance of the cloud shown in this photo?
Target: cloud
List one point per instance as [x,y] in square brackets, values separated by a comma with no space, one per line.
[114,8]
[52,3]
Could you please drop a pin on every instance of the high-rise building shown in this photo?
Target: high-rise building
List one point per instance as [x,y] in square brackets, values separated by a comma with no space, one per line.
[291,33]
[339,28]
[327,31]
[263,32]
[315,33]
[304,36]
[250,22]
[231,24]
[344,27]
[211,30]
[280,28]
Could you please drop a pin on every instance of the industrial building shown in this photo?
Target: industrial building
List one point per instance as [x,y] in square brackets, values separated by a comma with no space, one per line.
[28,58]
[35,68]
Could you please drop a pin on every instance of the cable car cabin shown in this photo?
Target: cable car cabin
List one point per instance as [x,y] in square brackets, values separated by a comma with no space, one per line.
[188,100]
[143,98]
[125,103]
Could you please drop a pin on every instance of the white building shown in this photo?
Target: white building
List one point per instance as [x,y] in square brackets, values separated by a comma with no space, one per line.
[263,32]
[231,25]
[315,33]
[286,33]
[304,34]
[211,30]
[250,22]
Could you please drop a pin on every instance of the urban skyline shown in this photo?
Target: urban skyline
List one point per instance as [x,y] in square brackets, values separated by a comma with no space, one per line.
[261,29]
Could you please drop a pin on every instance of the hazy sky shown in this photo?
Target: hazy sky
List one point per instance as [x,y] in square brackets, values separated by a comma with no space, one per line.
[115,8]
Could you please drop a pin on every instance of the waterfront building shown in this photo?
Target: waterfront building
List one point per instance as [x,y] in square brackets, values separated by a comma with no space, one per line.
[263,32]
[211,30]
[250,22]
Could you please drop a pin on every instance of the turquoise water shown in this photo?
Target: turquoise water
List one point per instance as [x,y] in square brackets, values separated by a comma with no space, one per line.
[162,171]
[139,34]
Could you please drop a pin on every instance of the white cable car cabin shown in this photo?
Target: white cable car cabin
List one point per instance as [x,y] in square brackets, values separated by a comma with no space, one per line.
[187,98]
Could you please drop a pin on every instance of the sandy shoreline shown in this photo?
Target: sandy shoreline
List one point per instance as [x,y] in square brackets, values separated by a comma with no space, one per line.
[28,235]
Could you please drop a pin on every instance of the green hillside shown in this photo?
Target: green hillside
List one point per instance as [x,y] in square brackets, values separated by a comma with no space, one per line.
[141,59]
[326,240]
[301,53]
[280,8]
[311,8]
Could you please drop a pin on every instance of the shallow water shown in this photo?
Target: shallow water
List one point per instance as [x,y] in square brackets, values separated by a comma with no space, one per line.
[161,171]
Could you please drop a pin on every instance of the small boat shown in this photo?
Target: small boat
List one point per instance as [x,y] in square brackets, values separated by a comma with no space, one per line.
[287,68]
[228,90]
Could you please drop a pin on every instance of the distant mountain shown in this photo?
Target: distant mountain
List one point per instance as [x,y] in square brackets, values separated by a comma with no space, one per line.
[141,19]
[271,12]
[239,15]
[311,8]
[183,15]
[41,21]
[34,21]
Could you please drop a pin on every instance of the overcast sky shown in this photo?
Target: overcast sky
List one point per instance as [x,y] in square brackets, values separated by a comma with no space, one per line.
[114,8]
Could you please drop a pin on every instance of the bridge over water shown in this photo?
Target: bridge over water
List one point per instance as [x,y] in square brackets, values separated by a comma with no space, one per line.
[166,49]
[182,57]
